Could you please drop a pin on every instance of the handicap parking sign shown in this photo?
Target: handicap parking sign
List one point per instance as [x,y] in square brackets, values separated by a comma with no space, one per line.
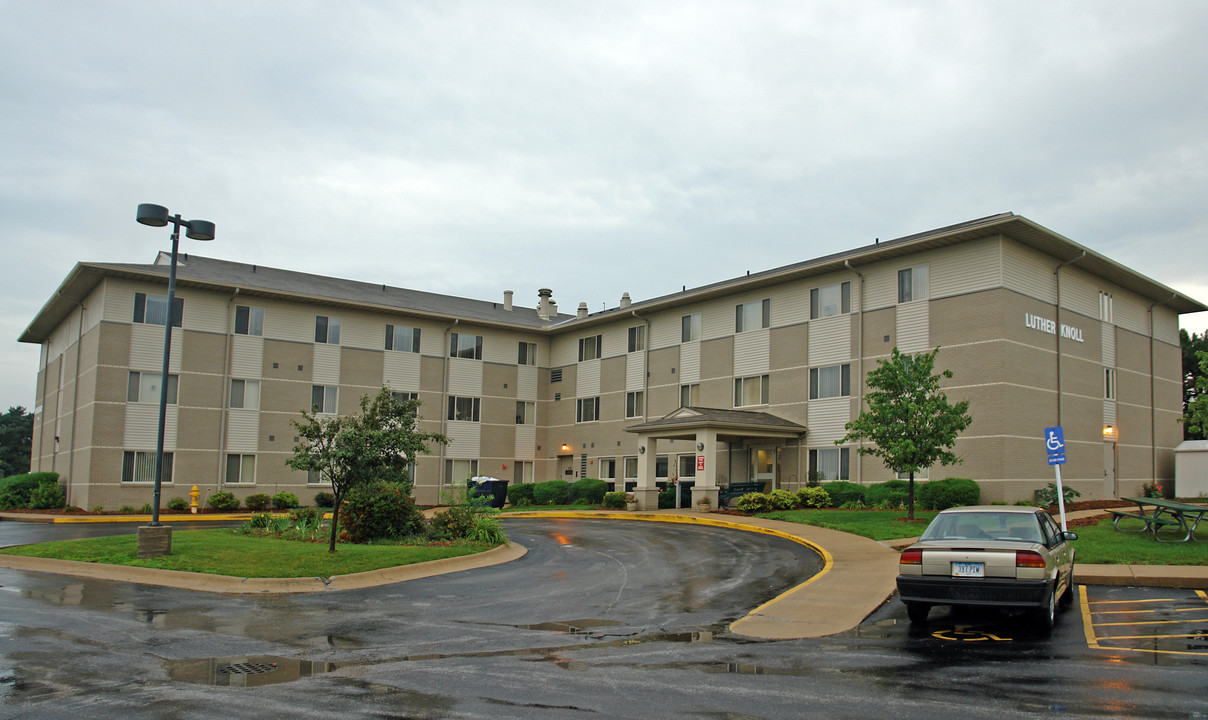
[1054,445]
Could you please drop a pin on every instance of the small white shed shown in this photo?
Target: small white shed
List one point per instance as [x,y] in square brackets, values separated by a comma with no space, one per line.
[1191,469]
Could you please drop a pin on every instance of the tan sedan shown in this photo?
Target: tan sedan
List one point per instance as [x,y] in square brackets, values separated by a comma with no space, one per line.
[1015,558]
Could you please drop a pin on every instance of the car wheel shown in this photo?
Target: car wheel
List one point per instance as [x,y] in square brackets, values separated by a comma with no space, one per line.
[1047,615]
[917,612]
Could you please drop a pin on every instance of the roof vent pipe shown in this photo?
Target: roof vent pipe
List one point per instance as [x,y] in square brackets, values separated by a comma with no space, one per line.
[625,301]
[544,302]
[582,312]
[507,300]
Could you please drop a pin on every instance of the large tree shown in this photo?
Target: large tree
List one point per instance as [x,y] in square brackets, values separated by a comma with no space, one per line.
[909,419]
[1195,375]
[379,443]
[16,441]
[1195,415]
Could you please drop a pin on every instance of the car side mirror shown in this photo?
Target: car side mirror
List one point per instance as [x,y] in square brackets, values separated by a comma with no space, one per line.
[1068,535]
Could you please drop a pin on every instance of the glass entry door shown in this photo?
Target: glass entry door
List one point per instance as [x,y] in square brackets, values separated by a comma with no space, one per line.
[763,466]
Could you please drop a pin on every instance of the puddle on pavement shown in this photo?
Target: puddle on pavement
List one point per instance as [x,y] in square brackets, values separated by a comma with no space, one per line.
[570,626]
[245,671]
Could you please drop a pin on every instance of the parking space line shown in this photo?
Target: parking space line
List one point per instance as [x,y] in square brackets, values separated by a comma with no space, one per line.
[1092,627]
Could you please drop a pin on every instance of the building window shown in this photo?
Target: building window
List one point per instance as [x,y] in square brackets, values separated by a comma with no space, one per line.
[631,468]
[522,471]
[317,477]
[138,466]
[1109,383]
[660,467]
[324,398]
[402,338]
[687,466]
[608,468]
[912,284]
[153,309]
[751,391]
[249,320]
[753,315]
[143,387]
[404,396]
[526,354]
[637,338]
[327,330]
[241,469]
[463,408]
[589,347]
[457,471]
[465,346]
[829,464]
[587,409]
[1106,312]
[829,382]
[635,404]
[920,474]
[830,300]
[690,395]
[526,413]
[690,327]
[245,394]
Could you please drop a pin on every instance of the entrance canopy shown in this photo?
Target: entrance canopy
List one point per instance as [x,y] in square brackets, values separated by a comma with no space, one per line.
[707,427]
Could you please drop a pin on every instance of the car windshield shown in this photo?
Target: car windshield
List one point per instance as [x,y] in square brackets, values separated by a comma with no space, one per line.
[1011,527]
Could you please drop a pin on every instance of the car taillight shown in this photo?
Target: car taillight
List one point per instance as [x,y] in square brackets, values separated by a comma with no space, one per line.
[911,557]
[1028,559]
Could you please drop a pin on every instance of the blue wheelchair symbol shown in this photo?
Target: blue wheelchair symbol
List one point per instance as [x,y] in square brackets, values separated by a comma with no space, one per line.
[1054,443]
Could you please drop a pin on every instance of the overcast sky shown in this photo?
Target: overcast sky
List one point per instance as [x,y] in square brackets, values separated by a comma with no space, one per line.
[590,147]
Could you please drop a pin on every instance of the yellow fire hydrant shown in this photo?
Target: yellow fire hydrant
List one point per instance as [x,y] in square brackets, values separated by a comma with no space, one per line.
[193,495]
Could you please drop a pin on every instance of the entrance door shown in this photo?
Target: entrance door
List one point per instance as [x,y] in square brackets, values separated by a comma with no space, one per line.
[566,468]
[1109,470]
[763,466]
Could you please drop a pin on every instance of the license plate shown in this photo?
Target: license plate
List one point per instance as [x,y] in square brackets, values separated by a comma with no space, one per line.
[968,569]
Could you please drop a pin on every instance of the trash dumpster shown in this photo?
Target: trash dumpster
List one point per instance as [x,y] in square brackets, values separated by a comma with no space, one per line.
[492,488]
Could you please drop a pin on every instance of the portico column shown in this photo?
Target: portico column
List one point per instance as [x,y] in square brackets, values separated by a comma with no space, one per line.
[646,492]
[706,477]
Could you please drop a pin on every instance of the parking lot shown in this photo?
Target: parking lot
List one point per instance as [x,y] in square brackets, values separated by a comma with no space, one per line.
[600,619]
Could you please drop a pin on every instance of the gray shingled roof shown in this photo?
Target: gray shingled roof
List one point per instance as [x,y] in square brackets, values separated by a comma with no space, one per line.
[688,417]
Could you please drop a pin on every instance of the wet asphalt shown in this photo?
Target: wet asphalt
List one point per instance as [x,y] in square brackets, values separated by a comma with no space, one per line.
[599,619]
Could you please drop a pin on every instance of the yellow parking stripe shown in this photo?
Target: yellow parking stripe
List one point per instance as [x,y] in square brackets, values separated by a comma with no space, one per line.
[1088,627]
[1094,642]
[1131,602]
[1151,637]
[1152,622]
[1141,612]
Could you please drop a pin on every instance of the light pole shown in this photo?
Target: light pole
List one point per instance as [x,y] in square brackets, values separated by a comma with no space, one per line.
[157,216]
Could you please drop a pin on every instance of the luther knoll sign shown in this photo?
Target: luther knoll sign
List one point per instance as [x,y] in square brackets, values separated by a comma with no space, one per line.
[1050,326]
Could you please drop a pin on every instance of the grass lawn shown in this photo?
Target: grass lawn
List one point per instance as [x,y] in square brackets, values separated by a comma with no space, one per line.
[1104,545]
[875,524]
[222,552]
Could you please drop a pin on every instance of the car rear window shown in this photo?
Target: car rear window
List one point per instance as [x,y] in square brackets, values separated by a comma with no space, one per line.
[1010,527]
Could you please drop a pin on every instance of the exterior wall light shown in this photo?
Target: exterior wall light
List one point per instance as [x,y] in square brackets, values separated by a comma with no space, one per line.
[1109,431]
[641,449]
[700,446]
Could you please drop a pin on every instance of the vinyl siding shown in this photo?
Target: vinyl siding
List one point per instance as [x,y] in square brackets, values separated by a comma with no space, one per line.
[913,326]
[400,370]
[964,269]
[326,364]
[247,356]
[1030,273]
[587,381]
[830,340]
[825,420]
[465,378]
[243,428]
[689,369]
[526,442]
[635,371]
[142,426]
[751,352]
[465,439]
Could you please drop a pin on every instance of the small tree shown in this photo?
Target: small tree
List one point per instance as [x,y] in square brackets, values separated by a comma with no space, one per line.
[1196,417]
[379,443]
[909,419]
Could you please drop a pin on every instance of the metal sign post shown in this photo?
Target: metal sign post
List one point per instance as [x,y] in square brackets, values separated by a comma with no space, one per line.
[1054,445]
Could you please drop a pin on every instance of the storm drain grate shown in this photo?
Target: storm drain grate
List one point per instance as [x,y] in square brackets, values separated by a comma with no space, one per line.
[247,668]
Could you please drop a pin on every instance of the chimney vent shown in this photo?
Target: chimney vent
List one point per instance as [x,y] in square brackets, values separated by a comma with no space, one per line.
[507,300]
[582,310]
[625,301]
[544,303]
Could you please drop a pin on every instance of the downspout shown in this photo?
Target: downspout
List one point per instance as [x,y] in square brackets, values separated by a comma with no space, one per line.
[45,381]
[645,366]
[1153,405]
[223,417]
[1057,275]
[75,404]
[444,409]
[859,373]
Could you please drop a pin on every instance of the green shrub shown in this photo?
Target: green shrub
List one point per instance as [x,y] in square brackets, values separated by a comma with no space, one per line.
[521,494]
[551,492]
[304,515]
[258,502]
[324,499]
[842,492]
[146,509]
[453,524]
[614,500]
[47,496]
[380,510]
[486,528]
[178,504]
[813,497]
[223,501]
[288,500]
[782,500]
[258,520]
[1149,490]
[753,503]
[589,490]
[853,505]
[950,492]
[893,492]
[1048,495]
[16,489]
[667,496]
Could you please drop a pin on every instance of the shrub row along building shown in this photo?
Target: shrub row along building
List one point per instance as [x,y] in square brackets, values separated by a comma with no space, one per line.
[747,379]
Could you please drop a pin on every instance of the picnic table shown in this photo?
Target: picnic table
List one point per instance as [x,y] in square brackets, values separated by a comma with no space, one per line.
[1162,513]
